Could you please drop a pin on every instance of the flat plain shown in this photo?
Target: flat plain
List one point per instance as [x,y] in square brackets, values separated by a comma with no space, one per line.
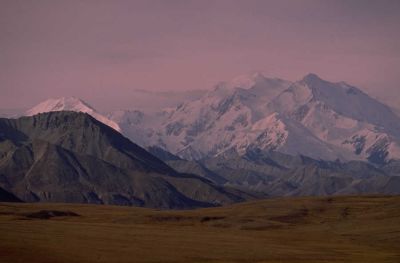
[310,229]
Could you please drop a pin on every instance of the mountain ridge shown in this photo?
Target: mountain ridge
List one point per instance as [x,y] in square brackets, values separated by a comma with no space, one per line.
[70,104]
[72,157]
[334,120]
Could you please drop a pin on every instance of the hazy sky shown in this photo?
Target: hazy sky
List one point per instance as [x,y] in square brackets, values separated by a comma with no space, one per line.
[104,50]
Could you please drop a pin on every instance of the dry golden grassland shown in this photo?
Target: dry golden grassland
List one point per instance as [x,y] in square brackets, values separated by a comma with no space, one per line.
[329,229]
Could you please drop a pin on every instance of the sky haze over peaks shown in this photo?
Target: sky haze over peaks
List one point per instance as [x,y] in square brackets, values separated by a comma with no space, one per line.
[105,51]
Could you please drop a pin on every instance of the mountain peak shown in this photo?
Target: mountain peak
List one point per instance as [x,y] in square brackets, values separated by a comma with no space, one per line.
[70,104]
[60,104]
[311,78]
[72,99]
[255,81]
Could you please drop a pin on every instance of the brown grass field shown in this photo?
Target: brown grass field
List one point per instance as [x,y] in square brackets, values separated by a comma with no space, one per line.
[330,229]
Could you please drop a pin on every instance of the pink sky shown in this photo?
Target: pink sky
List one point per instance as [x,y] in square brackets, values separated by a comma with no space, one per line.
[102,50]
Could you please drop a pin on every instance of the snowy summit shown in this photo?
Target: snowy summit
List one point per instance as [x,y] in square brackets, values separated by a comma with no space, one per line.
[70,104]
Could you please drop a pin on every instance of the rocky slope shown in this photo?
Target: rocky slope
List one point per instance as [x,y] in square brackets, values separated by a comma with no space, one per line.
[72,157]
[277,174]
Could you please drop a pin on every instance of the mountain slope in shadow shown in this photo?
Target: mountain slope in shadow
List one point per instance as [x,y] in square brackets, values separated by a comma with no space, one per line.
[72,157]
[278,174]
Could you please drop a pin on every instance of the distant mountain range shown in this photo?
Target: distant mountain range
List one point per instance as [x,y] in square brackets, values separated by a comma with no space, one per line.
[71,157]
[311,117]
[278,174]
[247,138]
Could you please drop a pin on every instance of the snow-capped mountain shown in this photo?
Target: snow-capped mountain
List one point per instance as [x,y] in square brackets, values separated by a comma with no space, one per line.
[343,116]
[312,117]
[141,127]
[71,104]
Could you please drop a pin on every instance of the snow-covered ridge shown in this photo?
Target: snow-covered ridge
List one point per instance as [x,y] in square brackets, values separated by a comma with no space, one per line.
[71,104]
[312,117]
